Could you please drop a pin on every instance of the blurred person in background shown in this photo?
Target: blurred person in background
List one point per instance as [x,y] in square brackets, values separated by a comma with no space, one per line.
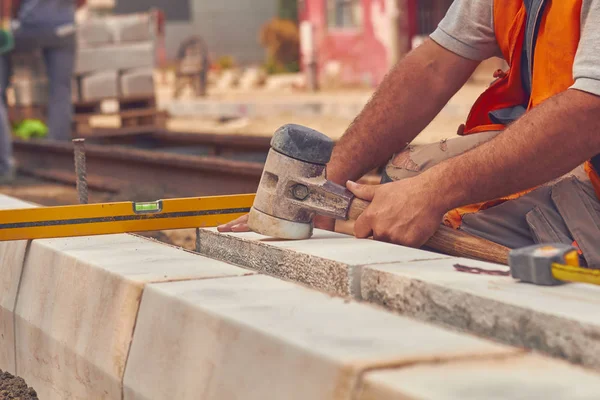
[48,25]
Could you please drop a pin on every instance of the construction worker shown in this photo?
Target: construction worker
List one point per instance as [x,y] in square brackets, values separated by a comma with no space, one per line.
[47,25]
[525,169]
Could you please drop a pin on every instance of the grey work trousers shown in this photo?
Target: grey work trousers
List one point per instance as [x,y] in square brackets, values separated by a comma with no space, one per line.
[565,210]
[6,161]
[60,64]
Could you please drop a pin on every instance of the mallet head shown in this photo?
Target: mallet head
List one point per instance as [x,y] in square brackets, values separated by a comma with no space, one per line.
[294,187]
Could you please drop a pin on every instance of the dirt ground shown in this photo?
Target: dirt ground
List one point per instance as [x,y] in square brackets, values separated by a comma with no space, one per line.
[14,388]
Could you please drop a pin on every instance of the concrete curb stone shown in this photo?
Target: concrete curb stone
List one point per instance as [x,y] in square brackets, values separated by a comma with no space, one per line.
[330,262]
[12,258]
[520,377]
[118,316]
[561,321]
[258,337]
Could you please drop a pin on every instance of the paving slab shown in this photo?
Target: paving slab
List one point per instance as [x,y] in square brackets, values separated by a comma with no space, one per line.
[94,33]
[257,337]
[138,82]
[77,306]
[516,378]
[100,85]
[115,29]
[12,257]
[562,321]
[115,57]
[328,261]
[131,28]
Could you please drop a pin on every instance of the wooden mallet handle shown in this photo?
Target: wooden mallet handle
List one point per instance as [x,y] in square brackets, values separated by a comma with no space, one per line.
[450,241]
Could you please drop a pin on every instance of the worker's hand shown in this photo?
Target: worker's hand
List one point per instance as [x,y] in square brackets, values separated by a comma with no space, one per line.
[238,225]
[241,224]
[406,212]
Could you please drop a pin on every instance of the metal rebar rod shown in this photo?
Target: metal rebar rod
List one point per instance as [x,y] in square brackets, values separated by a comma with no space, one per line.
[81,170]
[197,240]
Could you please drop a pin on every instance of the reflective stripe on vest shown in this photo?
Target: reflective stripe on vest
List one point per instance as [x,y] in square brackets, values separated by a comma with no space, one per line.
[534,8]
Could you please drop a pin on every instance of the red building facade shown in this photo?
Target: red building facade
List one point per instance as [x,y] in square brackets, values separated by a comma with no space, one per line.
[357,41]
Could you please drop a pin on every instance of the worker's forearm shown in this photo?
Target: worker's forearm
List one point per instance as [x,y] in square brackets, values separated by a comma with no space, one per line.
[407,100]
[548,142]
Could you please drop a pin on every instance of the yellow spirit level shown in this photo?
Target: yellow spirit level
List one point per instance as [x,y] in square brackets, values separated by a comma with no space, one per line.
[124,217]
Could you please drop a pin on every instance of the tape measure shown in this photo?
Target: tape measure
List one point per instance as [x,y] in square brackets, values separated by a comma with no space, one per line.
[550,265]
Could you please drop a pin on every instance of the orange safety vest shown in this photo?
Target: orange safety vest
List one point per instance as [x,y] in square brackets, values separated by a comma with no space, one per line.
[555,48]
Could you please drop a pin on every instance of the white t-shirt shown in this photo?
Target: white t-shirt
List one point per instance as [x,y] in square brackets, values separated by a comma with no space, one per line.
[468,30]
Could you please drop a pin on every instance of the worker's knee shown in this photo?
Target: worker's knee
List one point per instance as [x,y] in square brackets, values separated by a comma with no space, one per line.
[413,160]
[416,159]
[401,166]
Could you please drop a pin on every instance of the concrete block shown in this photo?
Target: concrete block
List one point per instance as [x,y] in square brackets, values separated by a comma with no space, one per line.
[12,256]
[115,57]
[94,33]
[77,308]
[131,28]
[328,261]
[515,377]
[100,85]
[99,31]
[562,321]
[257,337]
[138,82]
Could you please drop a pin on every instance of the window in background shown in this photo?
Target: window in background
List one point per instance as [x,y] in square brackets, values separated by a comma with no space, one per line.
[344,14]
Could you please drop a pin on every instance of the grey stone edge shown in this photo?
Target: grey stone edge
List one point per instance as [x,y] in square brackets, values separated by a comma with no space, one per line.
[558,337]
[319,273]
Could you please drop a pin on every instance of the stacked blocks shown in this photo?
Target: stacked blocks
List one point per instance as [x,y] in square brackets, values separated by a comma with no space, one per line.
[116,57]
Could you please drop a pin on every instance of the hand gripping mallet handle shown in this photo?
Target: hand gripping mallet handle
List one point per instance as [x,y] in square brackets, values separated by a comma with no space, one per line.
[450,241]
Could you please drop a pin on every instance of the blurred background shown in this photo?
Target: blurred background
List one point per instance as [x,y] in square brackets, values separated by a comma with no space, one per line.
[181,97]
[321,57]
